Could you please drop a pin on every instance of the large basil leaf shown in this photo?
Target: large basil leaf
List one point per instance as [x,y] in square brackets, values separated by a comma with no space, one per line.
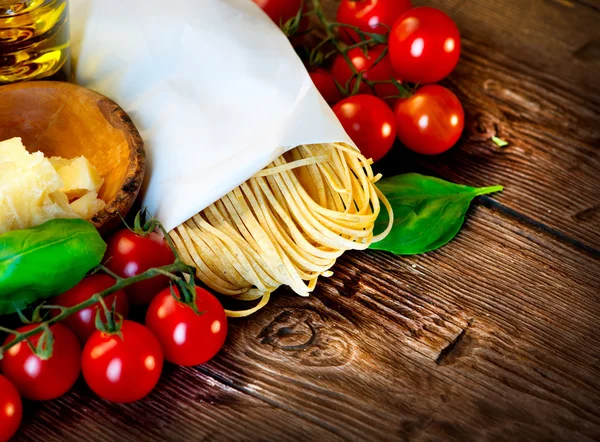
[46,260]
[428,212]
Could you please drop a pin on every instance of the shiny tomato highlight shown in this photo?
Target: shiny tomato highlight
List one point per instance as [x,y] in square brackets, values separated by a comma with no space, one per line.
[372,16]
[38,379]
[424,45]
[431,121]
[83,323]
[11,409]
[129,254]
[188,338]
[122,368]
[369,122]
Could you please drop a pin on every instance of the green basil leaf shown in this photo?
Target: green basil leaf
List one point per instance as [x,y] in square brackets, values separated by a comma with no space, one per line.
[428,212]
[46,260]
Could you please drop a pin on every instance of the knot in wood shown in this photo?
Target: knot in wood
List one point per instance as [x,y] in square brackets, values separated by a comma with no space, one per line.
[303,335]
[483,127]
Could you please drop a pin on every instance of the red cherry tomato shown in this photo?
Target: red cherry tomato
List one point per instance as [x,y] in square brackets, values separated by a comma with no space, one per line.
[38,379]
[122,368]
[186,337]
[83,322]
[369,122]
[373,16]
[325,83]
[424,45]
[431,121]
[280,11]
[11,409]
[380,71]
[129,254]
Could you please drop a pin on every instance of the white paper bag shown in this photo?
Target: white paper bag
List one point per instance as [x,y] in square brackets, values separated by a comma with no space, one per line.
[214,87]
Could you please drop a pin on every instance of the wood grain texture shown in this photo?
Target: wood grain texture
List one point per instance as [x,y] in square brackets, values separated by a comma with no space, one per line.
[455,342]
[550,167]
[546,34]
[491,338]
[418,348]
[519,79]
[549,116]
[187,405]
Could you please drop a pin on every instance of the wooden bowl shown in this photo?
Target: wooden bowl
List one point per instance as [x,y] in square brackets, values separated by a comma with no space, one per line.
[68,120]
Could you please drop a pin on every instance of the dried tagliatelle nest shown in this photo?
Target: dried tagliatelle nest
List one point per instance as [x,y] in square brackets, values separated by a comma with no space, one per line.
[286,225]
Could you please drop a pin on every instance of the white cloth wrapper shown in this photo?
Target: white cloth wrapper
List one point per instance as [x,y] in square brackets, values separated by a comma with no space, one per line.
[214,87]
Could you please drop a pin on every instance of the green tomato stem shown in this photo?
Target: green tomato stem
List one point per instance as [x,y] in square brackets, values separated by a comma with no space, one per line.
[169,271]
[331,34]
[367,38]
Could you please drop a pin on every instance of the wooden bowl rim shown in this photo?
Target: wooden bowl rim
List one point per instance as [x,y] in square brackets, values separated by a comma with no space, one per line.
[114,115]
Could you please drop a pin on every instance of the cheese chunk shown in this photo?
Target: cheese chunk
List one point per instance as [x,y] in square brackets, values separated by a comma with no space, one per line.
[13,151]
[88,205]
[78,175]
[32,191]
[59,162]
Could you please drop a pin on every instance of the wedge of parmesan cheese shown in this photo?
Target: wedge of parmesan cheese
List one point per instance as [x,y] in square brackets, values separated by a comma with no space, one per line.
[78,175]
[88,205]
[32,191]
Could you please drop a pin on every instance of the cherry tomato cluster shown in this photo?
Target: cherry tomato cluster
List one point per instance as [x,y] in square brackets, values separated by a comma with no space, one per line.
[379,76]
[122,365]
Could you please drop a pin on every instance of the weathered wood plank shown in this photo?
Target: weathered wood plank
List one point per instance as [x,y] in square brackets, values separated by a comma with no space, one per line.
[493,337]
[439,342]
[515,82]
[559,37]
[555,36]
[188,405]
[550,168]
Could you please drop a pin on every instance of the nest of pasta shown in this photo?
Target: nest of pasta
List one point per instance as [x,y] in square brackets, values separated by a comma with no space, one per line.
[286,225]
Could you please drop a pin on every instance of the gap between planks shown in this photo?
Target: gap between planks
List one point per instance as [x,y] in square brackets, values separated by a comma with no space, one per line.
[446,354]
[495,206]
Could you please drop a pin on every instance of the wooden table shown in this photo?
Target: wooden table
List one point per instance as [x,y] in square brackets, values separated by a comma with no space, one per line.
[493,337]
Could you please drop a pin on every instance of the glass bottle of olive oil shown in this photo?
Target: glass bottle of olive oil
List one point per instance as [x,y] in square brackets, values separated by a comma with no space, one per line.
[34,40]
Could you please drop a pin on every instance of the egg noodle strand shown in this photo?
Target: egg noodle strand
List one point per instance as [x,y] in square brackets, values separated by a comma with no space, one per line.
[286,225]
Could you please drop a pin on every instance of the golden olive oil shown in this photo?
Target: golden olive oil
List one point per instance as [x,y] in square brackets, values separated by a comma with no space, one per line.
[34,40]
